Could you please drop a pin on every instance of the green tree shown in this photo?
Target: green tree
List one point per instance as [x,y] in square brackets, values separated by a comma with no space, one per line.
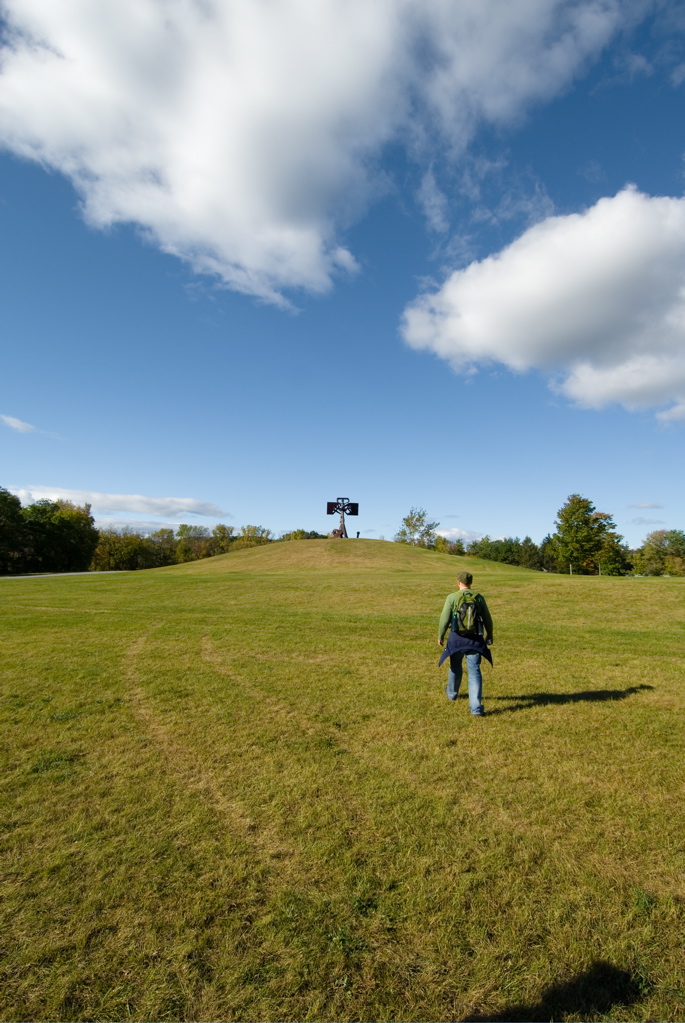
[662,553]
[12,534]
[163,543]
[125,551]
[550,560]
[252,536]
[613,557]
[530,556]
[416,529]
[303,534]
[650,559]
[479,548]
[222,539]
[509,550]
[584,536]
[106,553]
[445,546]
[675,552]
[192,542]
[60,537]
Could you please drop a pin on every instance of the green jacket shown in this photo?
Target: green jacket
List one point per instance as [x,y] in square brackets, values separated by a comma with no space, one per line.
[450,607]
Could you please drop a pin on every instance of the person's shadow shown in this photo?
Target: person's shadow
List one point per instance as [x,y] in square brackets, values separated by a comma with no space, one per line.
[528,700]
[598,992]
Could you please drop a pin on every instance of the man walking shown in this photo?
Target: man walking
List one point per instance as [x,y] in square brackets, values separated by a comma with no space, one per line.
[470,638]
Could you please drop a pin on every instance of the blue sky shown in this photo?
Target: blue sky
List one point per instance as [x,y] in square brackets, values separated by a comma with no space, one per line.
[259,256]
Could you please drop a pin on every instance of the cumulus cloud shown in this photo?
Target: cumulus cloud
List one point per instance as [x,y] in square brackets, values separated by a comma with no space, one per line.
[167,507]
[467,535]
[241,135]
[596,299]
[18,425]
[646,504]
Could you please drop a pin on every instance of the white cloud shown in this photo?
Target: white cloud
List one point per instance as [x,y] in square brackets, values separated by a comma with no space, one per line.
[433,202]
[640,520]
[18,425]
[240,135]
[676,414]
[597,298]
[646,504]
[467,535]
[167,507]
[133,525]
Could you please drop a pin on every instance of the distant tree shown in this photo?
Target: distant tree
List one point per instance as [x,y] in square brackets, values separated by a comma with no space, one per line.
[131,549]
[106,554]
[12,534]
[222,539]
[303,534]
[577,540]
[252,536]
[549,555]
[445,546]
[192,542]
[477,548]
[472,548]
[163,544]
[662,553]
[675,552]
[417,530]
[650,559]
[509,550]
[530,554]
[60,537]
[613,557]
[485,547]
[124,551]
[585,536]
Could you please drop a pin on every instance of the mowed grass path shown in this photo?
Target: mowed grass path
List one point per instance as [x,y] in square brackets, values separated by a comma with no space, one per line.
[235,790]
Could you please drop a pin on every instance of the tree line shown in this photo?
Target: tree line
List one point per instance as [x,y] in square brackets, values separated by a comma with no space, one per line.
[585,542]
[131,549]
[58,536]
[48,536]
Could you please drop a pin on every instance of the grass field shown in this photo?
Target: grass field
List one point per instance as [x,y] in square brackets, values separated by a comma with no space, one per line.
[234,790]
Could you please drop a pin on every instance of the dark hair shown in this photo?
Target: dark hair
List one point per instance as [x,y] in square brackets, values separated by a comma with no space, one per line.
[465,577]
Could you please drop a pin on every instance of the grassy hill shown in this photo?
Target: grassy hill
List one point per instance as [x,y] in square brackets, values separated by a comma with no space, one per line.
[235,790]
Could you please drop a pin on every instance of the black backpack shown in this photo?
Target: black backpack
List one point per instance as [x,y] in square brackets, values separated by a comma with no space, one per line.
[467,620]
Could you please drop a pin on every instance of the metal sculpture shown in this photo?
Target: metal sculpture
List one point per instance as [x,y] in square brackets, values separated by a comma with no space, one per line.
[345,507]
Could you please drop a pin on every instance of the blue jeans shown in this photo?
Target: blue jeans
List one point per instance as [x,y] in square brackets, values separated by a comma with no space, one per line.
[475,681]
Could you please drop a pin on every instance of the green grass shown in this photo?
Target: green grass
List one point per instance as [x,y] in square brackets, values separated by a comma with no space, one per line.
[235,790]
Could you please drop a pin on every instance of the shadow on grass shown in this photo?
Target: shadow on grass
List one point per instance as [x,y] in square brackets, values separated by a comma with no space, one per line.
[596,993]
[528,700]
